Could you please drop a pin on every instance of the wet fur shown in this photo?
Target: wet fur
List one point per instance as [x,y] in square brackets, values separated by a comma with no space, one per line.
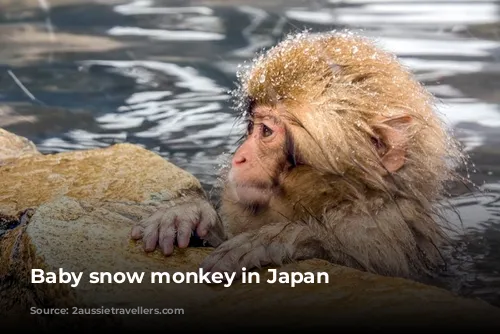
[359,180]
[336,201]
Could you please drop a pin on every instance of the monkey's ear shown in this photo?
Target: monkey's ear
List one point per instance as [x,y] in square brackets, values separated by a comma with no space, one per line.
[392,141]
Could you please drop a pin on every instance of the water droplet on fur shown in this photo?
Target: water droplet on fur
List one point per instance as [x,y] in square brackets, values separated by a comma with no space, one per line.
[262,78]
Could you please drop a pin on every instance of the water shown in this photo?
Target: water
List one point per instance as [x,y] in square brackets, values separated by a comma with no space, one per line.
[157,73]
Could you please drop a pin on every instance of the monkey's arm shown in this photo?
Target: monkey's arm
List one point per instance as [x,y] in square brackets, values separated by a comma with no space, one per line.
[177,220]
[357,242]
[272,244]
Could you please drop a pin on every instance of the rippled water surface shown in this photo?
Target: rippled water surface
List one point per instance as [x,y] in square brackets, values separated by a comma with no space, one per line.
[85,74]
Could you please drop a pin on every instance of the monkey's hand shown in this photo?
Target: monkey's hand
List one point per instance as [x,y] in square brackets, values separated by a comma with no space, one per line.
[273,244]
[177,221]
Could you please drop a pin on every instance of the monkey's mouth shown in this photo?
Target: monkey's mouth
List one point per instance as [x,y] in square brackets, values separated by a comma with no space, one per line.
[251,193]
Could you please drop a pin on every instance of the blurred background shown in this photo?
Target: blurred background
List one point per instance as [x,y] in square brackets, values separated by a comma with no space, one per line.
[81,74]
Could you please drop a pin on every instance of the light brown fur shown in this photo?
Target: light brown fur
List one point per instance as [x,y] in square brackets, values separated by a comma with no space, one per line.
[348,200]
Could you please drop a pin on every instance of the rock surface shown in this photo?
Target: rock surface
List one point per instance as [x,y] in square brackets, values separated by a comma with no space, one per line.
[75,211]
[122,172]
[32,43]
[12,146]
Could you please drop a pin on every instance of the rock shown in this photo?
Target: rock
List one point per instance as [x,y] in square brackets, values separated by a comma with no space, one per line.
[33,43]
[481,31]
[44,121]
[10,116]
[122,172]
[75,210]
[13,146]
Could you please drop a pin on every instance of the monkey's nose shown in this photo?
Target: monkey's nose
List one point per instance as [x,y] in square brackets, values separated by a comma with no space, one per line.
[238,160]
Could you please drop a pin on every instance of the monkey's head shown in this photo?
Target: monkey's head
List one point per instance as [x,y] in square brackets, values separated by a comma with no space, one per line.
[334,119]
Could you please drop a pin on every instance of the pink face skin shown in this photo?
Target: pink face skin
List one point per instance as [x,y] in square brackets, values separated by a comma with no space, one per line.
[259,160]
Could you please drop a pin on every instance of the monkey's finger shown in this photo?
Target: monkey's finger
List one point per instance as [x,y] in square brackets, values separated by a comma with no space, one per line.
[137,232]
[185,228]
[256,258]
[150,238]
[210,261]
[231,262]
[167,238]
[223,266]
[146,227]
[208,219]
[187,217]
[225,258]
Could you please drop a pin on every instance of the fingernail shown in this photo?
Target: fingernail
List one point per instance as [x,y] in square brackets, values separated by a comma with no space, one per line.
[167,250]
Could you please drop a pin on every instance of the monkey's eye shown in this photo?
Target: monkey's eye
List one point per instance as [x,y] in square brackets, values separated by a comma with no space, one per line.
[250,127]
[266,131]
